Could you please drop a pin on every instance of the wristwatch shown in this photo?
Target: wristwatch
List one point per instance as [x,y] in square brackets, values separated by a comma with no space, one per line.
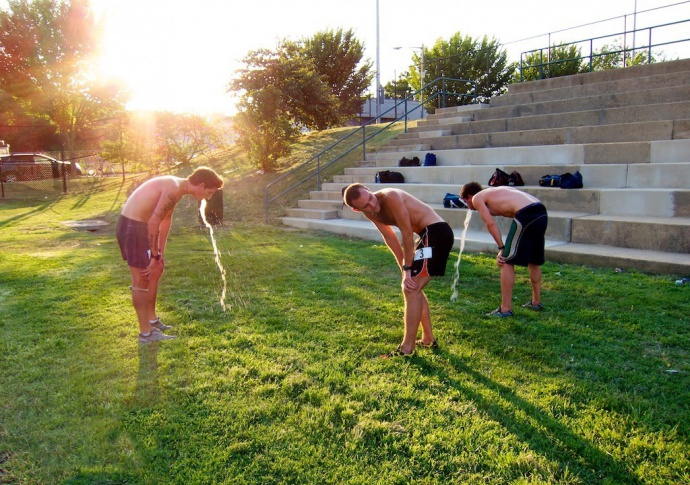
[405,267]
[157,257]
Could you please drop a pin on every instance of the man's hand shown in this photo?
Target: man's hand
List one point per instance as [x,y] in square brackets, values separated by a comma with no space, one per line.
[408,283]
[500,260]
[152,264]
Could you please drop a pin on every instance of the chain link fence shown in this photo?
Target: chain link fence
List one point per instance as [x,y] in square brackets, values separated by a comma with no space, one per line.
[40,175]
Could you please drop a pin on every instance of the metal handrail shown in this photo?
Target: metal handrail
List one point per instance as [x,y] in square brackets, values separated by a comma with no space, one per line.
[440,94]
[592,55]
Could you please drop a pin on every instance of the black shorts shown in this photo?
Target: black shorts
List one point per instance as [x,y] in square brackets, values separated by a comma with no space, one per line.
[525,241]
[439,237]
[133,238]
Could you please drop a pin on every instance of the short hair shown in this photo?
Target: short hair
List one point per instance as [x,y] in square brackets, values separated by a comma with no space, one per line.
[205,175]
[352,192]
[472,188]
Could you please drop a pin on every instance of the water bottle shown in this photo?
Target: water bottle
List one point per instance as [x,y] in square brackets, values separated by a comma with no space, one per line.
[378,178]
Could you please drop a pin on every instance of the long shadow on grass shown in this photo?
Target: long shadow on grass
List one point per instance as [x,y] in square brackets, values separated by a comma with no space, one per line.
[40,208]
[547,437]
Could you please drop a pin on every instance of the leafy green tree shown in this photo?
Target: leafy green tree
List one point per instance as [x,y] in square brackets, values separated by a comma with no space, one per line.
[181,137]
[400,88]
[337,57]
[47,49]
[560,60]
[295,87]
[482,61]
[614,56]
[130,142]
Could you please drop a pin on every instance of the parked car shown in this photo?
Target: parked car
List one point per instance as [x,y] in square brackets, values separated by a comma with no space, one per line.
[18,167]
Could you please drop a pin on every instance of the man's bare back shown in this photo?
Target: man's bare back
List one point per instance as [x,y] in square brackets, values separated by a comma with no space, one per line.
[504,201]
[160,193]
[420,214]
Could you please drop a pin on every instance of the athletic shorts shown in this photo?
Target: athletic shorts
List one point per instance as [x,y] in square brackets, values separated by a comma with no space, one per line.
[133,238]
[439,237]
[525,241]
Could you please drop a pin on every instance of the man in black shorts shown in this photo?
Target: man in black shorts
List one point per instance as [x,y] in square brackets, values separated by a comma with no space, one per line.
[142,233]
[393,207]
[524,245]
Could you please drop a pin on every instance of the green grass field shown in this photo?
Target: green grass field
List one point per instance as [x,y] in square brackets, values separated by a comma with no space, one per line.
[286,386]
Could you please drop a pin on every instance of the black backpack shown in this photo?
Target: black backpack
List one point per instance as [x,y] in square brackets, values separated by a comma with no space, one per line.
[389,177]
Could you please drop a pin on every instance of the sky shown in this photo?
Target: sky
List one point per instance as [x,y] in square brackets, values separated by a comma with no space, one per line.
[179,55]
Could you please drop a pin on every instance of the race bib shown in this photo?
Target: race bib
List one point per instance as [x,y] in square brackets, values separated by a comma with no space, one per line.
[422,253]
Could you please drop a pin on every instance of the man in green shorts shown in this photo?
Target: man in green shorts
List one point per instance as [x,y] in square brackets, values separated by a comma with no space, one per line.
[142,232]
[393,207]
[524,245]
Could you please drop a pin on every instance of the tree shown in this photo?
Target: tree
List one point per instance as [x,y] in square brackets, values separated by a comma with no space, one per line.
[181,137]
[337,58]
[615,56]
[47,48]
[295,87]
[280,92]
[400,88]
[480,61]
[559,60]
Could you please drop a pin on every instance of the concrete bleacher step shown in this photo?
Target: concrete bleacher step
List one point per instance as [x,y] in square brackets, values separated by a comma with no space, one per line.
[617,202]
[319,214]
[659,151]
[668,234]
[618,80]
[620,175]
[618,132]
[557,251]
[651,105]
[663,95]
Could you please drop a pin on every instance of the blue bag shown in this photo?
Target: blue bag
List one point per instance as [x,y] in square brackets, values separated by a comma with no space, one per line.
[430,160]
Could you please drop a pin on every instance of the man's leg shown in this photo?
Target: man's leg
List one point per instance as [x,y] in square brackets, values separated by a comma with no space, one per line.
[154,280]
[427,331]
[507,283]
[140,298]
[415,301]
[535,280]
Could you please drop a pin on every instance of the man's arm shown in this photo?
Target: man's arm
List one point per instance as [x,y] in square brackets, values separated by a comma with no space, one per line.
[491,226]
[166,223]
[398,211]
[391,240]
[164,207]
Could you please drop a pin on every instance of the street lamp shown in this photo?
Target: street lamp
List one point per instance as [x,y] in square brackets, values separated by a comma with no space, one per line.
[378,68]
[422,72]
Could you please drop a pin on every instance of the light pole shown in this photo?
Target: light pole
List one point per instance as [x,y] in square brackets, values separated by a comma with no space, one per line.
[378,68]
[422,72]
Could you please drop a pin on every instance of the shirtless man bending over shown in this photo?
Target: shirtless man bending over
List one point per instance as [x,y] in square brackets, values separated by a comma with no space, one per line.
[142,231]
[394,207]
[524,245]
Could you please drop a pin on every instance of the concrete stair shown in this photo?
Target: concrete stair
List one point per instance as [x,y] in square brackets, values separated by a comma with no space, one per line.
[626,131]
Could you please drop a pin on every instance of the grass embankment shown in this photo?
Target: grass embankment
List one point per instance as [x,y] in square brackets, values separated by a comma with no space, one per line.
[286,387]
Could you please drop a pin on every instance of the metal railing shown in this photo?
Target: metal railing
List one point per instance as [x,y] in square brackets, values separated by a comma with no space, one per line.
[315,166]
[625,49]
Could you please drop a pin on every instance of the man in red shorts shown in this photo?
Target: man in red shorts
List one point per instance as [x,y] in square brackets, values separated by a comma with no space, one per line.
[142,232]
[524,245]
[393,207]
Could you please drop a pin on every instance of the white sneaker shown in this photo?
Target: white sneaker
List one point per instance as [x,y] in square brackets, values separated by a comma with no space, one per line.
[155,336]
